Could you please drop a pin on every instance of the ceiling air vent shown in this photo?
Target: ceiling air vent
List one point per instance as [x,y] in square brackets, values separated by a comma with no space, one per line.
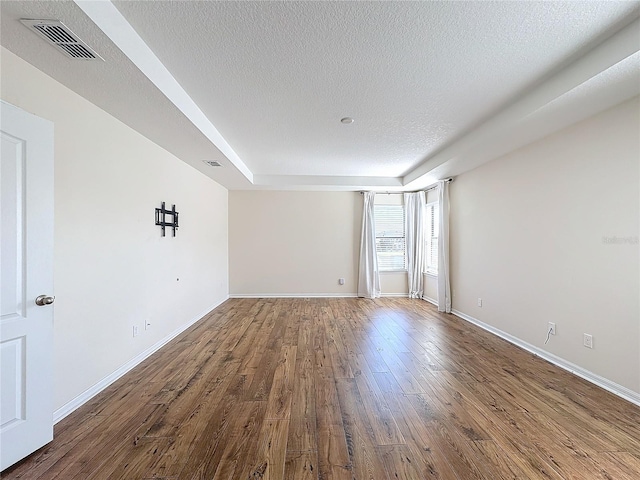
[58,34]
[212,163]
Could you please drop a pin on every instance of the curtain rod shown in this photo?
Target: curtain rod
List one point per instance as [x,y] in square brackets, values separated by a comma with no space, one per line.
[432,187]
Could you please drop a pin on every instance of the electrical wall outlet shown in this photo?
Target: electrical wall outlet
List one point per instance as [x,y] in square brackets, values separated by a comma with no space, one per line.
[341,281]
[135,331]
[551,328]
[479,302]
[588,340]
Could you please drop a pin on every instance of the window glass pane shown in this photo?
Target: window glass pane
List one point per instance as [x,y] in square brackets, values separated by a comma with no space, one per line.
[390,242]
[390,253]
[389,220]
[431,239]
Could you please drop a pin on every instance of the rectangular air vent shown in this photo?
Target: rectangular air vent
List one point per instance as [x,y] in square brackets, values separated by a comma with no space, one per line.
[212,163]
[59,35]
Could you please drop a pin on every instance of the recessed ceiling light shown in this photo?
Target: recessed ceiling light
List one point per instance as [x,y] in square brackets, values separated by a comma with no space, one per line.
[346,120]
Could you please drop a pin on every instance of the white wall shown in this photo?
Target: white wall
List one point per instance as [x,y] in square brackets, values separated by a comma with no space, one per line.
[299,243]
[528,236]
[430,286]
[112,269]
[294,242]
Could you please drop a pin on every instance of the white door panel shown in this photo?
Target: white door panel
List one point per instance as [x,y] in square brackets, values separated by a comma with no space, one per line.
[26,268]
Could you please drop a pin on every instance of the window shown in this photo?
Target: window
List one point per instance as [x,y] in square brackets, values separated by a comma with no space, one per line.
[390,244]
[431,239]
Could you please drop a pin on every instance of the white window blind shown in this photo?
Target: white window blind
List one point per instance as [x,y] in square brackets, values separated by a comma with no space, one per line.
[390,243]
[431,239]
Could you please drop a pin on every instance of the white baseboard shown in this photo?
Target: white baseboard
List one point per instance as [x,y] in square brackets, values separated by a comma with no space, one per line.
[311,295]
[88,394]
[293,295]
[616,389]
[430,300]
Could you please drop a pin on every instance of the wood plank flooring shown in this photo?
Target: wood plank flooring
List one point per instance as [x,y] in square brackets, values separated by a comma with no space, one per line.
[342,389]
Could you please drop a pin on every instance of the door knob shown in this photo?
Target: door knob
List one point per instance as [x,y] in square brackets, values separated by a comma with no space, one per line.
[43,300]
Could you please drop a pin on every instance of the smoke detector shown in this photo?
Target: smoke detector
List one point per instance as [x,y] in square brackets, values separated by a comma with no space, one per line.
[59,35]
[212,163]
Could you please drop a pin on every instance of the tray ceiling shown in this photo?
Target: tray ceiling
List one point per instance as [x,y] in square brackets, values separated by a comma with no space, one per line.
[434,88]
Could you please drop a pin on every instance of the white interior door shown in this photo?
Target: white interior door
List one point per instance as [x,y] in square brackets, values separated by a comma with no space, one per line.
[26,264]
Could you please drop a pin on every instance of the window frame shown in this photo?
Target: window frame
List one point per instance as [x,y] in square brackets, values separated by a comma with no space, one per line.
[403,237]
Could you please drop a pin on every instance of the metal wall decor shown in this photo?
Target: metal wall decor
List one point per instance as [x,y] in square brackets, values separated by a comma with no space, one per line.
[161,218]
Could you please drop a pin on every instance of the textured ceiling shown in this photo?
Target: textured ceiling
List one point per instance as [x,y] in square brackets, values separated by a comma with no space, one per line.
[273,79]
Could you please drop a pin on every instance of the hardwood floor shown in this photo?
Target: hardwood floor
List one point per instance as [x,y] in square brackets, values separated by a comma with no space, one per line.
[342,389]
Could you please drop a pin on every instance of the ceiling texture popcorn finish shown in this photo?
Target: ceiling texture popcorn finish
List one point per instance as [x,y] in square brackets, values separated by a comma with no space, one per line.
[435,88]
